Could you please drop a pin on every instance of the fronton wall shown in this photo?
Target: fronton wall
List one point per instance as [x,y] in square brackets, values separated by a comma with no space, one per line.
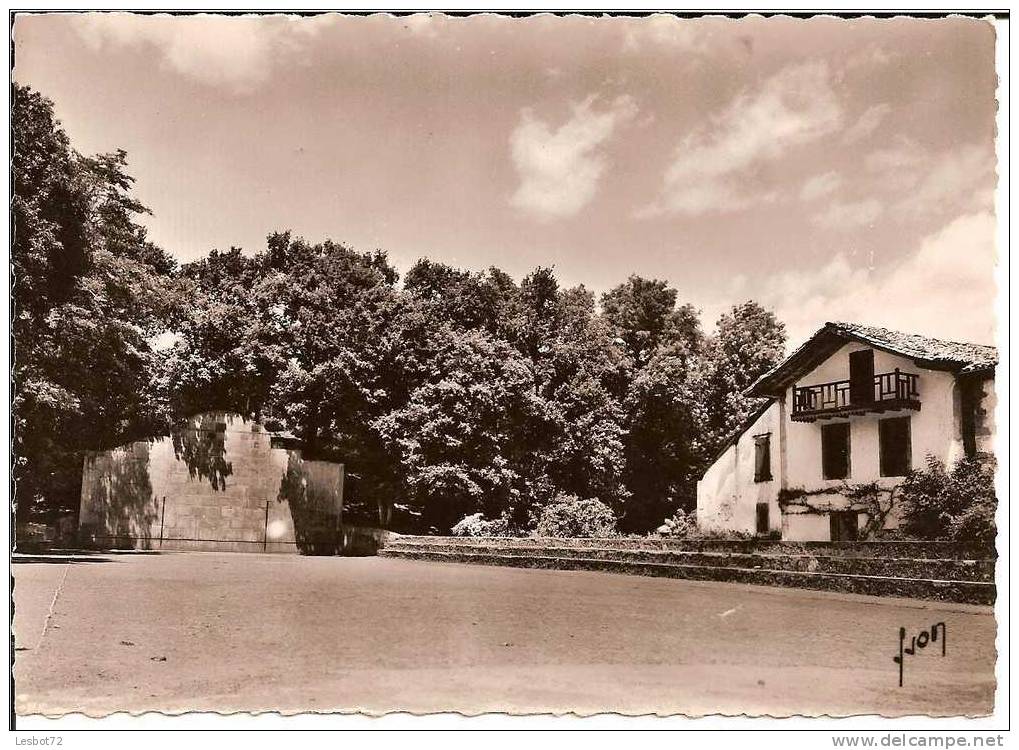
[216,484]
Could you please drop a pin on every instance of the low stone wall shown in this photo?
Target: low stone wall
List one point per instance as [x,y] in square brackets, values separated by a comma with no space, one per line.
[947,569]
[870,548]
[919,570]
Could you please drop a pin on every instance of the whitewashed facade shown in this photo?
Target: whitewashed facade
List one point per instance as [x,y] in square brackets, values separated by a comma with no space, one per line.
[853,406]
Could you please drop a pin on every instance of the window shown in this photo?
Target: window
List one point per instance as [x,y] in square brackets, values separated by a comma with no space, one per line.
[835,450]
[762,458]
[896,451]
[845,526]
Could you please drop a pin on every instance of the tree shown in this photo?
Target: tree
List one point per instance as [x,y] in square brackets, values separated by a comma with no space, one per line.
[661,463]
[573,441]
[747,342]
[90,293]
[314,339]
[467,300]
[215,363]
[455,433]
[643,313]
[661,339]
[518,401]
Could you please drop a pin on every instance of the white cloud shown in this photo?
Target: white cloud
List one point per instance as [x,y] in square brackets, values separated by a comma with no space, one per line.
[820,186]
[236,52]
[870,56]
[867,123]
[960,176]
[851,215]
[919,183]
[905,154]
[712,166]
[945,288]
[559,169]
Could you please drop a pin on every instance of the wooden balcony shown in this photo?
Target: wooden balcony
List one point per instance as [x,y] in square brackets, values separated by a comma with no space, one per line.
[892,391]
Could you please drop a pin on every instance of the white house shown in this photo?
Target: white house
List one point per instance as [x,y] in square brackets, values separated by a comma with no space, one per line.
[855,405]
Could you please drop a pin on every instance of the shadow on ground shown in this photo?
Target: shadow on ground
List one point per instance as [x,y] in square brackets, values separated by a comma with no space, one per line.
[63,556]
[58,559]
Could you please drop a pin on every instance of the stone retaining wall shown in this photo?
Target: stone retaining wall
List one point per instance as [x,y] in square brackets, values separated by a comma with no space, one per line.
[918,570]
[869,548]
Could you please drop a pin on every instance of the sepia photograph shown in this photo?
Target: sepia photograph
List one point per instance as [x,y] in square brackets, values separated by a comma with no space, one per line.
[644,364]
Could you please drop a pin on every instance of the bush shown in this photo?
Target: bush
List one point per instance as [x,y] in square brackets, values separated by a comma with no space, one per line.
[570,516]
[478,525]
[729,535]
[958,505]
[681,525]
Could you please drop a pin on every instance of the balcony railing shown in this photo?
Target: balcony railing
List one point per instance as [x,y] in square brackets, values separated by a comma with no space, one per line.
[891,390]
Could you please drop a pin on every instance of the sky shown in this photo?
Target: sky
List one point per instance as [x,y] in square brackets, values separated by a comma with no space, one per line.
[831,169]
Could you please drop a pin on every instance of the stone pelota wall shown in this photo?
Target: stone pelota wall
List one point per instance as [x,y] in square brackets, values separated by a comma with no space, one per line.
[217,484]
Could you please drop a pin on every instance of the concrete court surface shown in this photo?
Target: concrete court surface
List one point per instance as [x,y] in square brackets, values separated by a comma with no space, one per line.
[247,632]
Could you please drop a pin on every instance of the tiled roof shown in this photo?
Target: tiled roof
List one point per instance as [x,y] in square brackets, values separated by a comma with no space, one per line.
[913,345]
[953,355]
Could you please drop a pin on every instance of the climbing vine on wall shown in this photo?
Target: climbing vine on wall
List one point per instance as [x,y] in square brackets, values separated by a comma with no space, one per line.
[866,497]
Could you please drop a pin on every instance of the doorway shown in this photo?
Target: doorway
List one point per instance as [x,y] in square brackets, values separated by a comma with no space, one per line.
[763,525]
[861,377]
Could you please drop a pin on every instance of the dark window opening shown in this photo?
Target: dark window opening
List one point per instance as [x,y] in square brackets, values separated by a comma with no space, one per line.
[835,450]
[861,377]
[845,526]
[762,518]
[762,458]
[896,451]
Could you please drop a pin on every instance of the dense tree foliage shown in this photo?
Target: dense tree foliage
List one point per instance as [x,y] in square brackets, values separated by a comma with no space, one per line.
[452,394]
[90,292]
[663,342]
[748,341]
[311,338]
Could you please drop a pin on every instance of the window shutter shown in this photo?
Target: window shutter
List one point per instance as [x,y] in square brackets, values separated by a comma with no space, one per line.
[762,458]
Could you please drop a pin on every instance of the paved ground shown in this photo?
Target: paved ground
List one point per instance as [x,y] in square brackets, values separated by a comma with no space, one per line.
[209,631]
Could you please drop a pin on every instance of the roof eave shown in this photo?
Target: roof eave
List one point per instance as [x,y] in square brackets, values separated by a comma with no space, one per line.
[982,370]
[774,382]
[750,421]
